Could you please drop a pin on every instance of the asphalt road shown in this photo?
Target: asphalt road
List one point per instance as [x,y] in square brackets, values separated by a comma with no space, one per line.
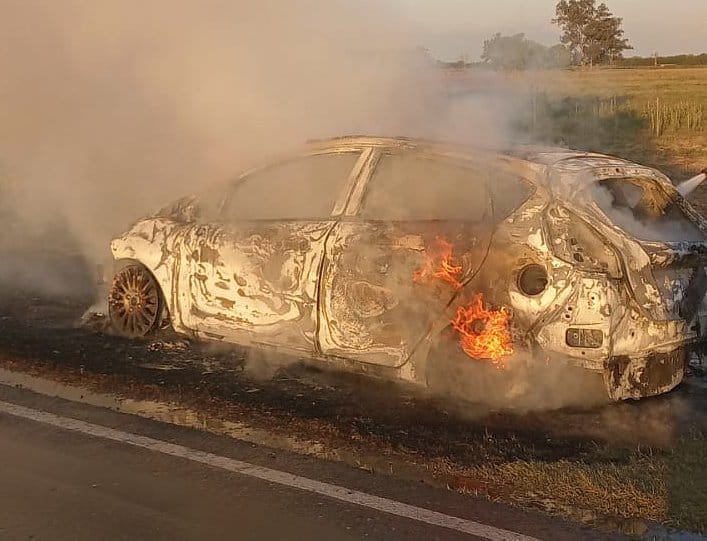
[70,471]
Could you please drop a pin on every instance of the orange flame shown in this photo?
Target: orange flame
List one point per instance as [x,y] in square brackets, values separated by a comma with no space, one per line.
[484,333]
[439,263]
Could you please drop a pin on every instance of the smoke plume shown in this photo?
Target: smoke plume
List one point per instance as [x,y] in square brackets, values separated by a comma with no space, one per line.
[110,109]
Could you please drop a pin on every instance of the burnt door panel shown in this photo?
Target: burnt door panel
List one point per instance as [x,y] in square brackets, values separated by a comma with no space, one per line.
[385,283]
[254,278]
[424,227]
[253,282]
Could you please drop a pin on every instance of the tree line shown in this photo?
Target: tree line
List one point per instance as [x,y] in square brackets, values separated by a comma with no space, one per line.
[672,60]
[591,35]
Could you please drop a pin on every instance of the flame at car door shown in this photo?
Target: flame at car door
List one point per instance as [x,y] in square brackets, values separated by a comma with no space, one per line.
[373,305]
[484,333]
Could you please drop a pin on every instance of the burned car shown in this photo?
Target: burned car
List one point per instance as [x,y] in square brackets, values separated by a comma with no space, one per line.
[377,254]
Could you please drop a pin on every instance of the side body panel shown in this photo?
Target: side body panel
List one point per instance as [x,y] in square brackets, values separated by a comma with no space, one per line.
[252,282]
[377,301]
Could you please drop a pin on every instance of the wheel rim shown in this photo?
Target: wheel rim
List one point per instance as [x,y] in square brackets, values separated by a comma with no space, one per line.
[134,302]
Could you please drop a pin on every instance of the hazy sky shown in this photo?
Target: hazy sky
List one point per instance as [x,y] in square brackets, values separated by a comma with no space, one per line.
[450,28]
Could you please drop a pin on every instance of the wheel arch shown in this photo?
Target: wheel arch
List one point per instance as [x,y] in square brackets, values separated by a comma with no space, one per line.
[160,279]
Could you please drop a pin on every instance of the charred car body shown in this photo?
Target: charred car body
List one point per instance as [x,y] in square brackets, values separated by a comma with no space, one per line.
[376,254]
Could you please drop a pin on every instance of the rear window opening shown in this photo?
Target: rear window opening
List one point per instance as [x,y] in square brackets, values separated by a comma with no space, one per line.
[641,207]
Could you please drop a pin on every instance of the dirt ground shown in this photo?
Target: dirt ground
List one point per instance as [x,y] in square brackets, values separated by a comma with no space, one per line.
[608,465]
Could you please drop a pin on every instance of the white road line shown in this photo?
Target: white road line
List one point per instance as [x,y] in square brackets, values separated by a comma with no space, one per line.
[363,499]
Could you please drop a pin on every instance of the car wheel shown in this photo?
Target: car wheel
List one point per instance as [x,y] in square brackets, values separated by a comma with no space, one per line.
[135,302]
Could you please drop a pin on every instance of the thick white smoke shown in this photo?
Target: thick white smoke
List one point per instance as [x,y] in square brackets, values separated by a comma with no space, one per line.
[110,109]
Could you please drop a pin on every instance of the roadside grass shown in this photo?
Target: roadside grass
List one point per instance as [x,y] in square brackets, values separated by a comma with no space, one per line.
[687,484]
[642,86]
[630,490]
[626,493]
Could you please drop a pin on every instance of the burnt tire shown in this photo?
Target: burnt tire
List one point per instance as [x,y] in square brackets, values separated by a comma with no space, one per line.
[135,303]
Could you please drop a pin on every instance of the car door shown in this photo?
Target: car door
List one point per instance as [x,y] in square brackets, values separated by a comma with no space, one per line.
[252,276]
[418,232]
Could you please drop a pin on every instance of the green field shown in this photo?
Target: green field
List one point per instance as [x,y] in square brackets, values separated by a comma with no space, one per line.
[653,116]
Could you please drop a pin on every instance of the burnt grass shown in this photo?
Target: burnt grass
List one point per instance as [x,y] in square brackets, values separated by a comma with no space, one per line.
[41,335]
[367,406]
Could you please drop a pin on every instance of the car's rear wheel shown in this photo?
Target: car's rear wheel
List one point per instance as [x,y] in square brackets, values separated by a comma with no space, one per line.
[135,302]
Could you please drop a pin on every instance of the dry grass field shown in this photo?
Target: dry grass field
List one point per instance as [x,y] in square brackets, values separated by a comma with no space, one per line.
[655,116]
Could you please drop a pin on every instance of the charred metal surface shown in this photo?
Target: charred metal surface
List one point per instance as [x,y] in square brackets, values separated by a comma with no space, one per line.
[252,279]
[628,377]
[676,253]
[361,294]
[689,299]
[255,281]
[372,308]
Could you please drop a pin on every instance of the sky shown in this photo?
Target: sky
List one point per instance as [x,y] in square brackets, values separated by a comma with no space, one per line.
[452,28]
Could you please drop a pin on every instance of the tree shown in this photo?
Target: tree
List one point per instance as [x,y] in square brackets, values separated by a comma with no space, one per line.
[519,53]
[592,33]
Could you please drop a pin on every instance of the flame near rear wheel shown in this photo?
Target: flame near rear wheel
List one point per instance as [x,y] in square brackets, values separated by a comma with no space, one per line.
[483,333]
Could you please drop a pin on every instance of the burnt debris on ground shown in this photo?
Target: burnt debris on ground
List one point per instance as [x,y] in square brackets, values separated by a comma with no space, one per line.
[586,464]
[47,333]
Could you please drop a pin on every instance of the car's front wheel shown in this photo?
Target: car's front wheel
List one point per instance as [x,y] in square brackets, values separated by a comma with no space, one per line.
[135,302]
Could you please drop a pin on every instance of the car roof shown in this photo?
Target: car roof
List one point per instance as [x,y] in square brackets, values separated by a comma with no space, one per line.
[573,169]
[534,153]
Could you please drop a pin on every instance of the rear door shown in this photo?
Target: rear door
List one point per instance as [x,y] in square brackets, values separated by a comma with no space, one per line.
[252,277]
[413,233]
